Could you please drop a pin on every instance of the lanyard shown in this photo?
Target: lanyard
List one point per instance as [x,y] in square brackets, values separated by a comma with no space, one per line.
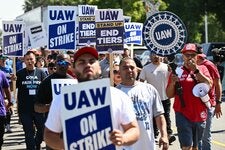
[192,75]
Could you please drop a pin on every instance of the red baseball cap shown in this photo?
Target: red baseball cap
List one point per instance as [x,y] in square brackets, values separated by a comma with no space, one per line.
[189,47]
[84,50]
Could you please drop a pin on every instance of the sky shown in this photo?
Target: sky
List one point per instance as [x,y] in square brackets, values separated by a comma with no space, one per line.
[10,9]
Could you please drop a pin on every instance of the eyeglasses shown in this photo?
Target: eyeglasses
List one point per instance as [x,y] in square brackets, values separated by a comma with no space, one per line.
[190,55]
[115,71]
[52,68]
[62,63]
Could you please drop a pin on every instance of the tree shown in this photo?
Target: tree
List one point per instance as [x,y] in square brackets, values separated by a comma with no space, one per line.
[133,8]
[191,12]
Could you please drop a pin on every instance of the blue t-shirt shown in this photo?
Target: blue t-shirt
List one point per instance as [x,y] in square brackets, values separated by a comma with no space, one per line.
[3,84]
[7,70]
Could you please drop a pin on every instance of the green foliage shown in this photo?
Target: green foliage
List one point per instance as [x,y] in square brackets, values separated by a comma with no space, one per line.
[137,12]
[215,29]
[191,13]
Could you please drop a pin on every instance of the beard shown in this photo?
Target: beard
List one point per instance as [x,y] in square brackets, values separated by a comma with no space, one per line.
[131,77]
[80,77]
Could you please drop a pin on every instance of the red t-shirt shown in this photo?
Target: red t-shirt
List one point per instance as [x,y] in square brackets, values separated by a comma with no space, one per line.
[214,73]
[194,110]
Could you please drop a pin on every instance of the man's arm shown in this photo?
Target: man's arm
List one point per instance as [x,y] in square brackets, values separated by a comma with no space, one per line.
[53,126]
[53,139]
[170,89]
[41,108]
[42,96]
[218,92]
[8,96]
[128,137]
[161,124]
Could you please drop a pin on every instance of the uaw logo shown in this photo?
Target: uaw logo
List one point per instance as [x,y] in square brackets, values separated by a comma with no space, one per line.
[164,33]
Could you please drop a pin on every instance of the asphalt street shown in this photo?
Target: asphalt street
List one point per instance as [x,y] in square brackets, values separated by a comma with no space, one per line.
[16,141]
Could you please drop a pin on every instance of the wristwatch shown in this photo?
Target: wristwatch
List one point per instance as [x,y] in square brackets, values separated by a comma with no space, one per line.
[218,102]
[196,71]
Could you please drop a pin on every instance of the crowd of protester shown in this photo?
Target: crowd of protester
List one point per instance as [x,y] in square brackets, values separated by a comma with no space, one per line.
[151,90]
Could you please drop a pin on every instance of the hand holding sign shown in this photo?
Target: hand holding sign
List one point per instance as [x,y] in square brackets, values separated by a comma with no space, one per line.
[117,137]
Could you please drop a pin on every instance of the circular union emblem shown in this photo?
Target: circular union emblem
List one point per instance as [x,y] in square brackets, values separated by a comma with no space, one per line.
[164,33]
[203,115]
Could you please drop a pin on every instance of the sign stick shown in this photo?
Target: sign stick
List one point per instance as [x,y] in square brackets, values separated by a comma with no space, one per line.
[13,81]
[132,50]
[111,56]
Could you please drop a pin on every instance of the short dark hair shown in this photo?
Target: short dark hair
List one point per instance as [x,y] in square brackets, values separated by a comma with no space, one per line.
[51,64]
[29,52]
[40,58]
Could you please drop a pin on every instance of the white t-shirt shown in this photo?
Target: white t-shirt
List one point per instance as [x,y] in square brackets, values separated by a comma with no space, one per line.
[156,75]
[122,112]
[147,104]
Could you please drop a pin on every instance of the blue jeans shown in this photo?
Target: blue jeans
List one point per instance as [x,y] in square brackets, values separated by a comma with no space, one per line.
[33,134]
[189,133]
[205,143]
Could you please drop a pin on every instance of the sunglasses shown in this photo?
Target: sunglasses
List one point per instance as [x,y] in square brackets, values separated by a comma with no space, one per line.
[115,71]
[190,55]
[62,63]
[52,68]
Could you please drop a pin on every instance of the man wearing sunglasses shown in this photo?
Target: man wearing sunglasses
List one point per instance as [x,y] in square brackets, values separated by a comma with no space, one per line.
[190,111]
[51,68]
[44,96]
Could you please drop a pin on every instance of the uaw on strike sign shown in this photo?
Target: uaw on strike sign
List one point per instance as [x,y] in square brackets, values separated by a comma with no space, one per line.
[57,84]
[86,115]
[133,33]
[164,33]
[13,38]
[61,27]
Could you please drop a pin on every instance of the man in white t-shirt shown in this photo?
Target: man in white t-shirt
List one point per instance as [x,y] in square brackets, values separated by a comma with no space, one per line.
[157,73]
[126,131]
[147,105]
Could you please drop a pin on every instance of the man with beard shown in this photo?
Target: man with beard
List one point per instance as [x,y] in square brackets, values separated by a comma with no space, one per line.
[44,95]
[147,105]
[87,68]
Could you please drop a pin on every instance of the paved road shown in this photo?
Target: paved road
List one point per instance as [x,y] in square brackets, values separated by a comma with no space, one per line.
[15,140]
[218,132]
